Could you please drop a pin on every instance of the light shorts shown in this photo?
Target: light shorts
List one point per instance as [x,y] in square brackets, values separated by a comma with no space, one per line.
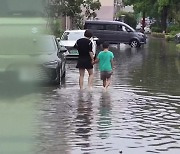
[105,75]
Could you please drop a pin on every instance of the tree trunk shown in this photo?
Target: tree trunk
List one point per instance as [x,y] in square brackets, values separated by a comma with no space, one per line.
[164,18]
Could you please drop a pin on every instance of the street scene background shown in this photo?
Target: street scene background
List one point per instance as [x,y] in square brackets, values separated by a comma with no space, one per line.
[139,113]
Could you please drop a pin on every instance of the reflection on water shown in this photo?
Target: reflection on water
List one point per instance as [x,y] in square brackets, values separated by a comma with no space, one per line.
[104,121]
[83,119]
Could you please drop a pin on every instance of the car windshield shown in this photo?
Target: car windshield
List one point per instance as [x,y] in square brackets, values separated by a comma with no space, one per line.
[27,45]
[72,36]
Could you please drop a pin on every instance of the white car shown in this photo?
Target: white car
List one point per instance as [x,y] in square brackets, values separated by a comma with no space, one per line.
[147,30]
[69,39]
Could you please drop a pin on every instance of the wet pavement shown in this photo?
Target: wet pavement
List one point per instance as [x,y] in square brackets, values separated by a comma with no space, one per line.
[140,112]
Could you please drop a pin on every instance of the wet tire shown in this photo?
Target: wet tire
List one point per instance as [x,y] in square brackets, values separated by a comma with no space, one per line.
[58,81]
[64,73]
[134,43]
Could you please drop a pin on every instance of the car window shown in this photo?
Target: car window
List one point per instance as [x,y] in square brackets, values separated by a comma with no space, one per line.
[111,27]
[123,28]
[95,26]
[28,45]
[72,36]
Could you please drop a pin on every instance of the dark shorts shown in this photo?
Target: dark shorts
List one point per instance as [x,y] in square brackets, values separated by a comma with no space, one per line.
[105,75]
[84,63]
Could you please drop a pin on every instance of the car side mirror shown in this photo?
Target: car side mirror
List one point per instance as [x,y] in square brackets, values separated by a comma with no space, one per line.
[58,39]
[62,49]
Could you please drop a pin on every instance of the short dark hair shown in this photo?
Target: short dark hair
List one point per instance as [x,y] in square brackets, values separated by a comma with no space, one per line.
[105,45]
[88,33]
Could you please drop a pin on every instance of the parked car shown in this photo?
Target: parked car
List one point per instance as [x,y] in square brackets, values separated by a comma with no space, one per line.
[26,53]
[69,39]
[36,59]
[147,30]
[177,38]
[115,32]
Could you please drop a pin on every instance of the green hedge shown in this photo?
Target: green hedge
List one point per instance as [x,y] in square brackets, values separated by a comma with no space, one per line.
[178,47]
[158,35]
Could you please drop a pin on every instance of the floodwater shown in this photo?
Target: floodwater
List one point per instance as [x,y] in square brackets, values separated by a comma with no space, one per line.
[140,112]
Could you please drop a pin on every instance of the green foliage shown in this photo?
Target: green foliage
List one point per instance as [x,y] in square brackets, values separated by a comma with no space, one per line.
[169,37]
[159,9]
[90,7]
[129,18]
[178,47]
[73,9]
[156,29]
[56,28]
[174,28]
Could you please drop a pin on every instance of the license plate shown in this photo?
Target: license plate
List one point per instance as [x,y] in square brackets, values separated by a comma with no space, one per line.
[74,52]
[30,74]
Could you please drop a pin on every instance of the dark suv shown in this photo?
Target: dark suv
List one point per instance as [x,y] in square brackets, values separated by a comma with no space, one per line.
[115,32]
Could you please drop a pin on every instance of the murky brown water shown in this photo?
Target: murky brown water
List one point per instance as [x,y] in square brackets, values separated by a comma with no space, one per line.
[140,113]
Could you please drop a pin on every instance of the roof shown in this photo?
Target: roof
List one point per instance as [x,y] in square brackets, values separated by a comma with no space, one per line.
[75,30]
[103,22]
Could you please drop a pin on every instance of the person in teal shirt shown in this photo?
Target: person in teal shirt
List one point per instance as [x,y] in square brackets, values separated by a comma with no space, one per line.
[105,59]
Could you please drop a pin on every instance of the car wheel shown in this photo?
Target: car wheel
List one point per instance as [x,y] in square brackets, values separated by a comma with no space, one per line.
[64,73]
[134,43]
[59,76]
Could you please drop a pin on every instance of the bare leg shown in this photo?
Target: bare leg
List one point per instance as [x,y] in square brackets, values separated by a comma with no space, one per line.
[81,78]
[90,78]
[104,83]
[108,81]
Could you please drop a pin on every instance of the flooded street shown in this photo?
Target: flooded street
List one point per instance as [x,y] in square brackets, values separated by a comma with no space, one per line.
[140,112]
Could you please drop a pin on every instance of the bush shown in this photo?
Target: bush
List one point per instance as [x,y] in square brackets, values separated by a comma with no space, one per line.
[173,28]
[169,37]
[56,28]
[158,35]
[174,32]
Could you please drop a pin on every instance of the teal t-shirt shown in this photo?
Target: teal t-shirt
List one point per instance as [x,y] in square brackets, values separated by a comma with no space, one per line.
[105,58]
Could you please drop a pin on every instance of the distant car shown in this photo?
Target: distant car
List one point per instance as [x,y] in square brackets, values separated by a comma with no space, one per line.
[69,39]
[115,32]
[147,30]
[37,59]
[177,38]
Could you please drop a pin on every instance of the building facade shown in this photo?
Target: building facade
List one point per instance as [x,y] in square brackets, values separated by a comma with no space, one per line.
[108,9]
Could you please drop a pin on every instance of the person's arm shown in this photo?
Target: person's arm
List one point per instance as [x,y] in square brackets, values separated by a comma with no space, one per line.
[91,52]
[92,56]
[96,61]
[112,62]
